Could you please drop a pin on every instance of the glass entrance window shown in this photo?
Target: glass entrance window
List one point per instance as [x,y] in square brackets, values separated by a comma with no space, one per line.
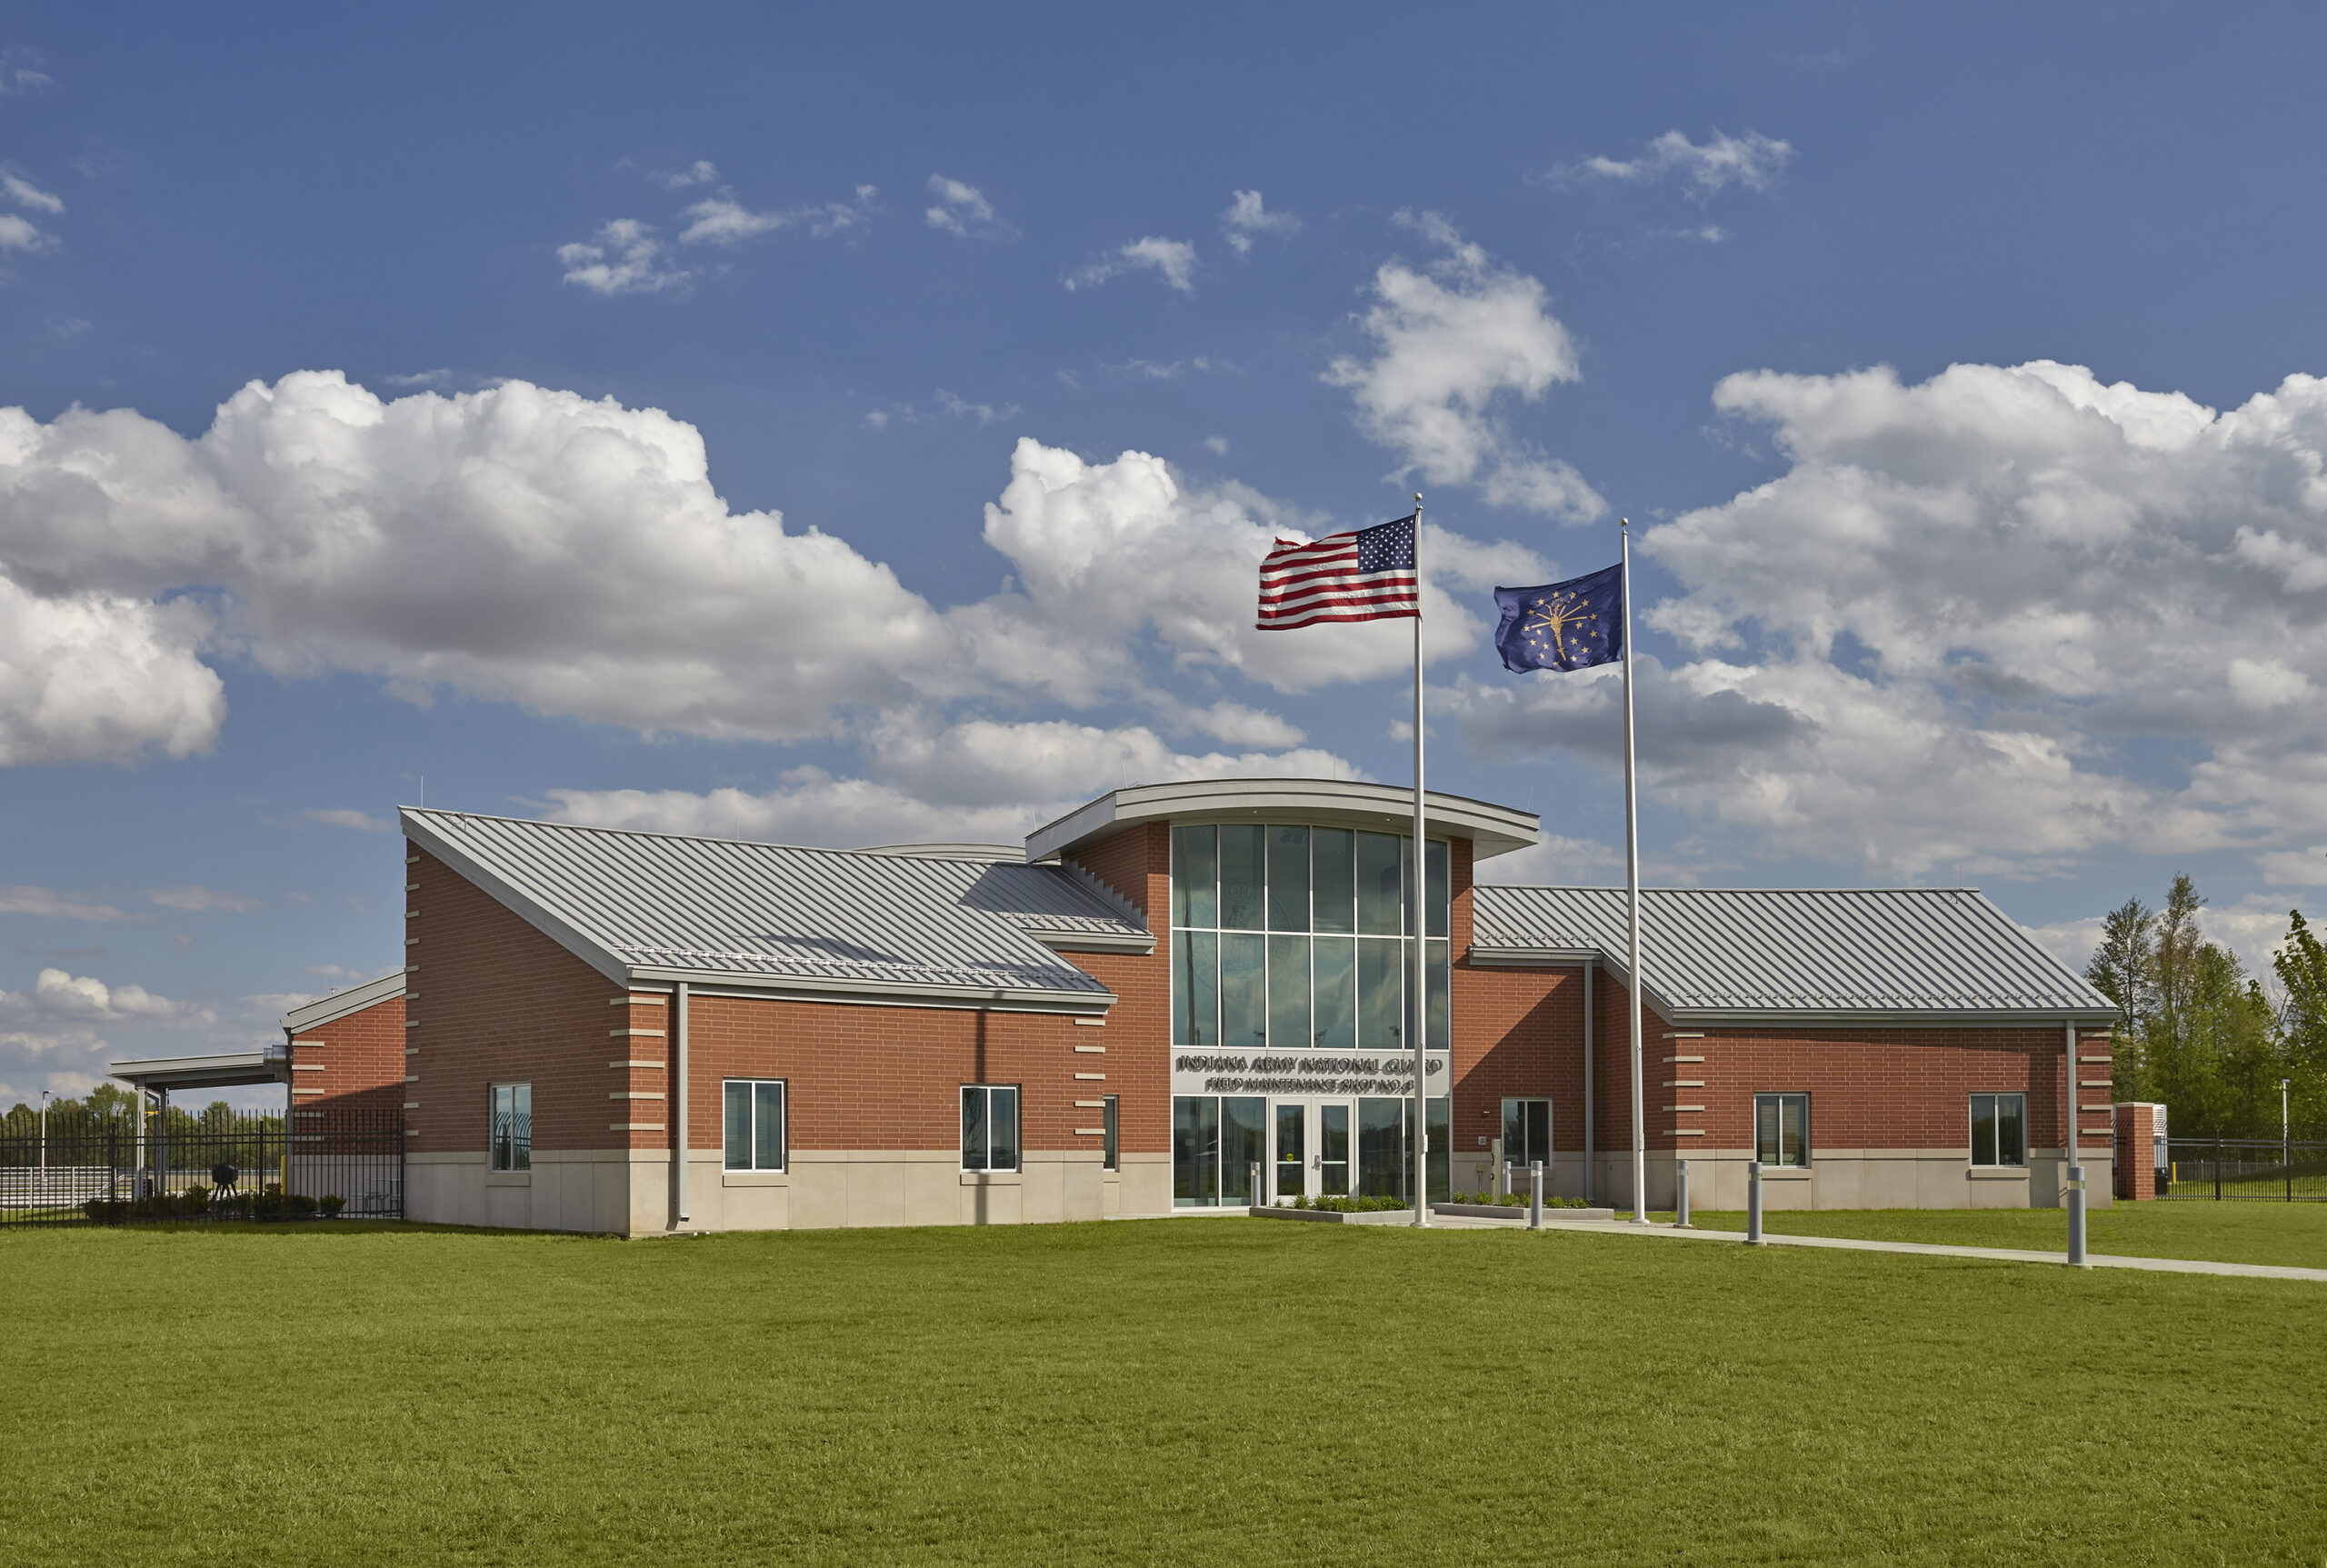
[1382,1149]
[1291,1174]
[1527,1132]
[1195,1152]
[1385,1155]
[1782,1129]
[1333,1151]
[1288,938]
[1243,1127]
[1999,1129]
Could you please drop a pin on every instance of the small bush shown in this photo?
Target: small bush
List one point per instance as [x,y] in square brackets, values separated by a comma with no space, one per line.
[106,1210]
[331,1203]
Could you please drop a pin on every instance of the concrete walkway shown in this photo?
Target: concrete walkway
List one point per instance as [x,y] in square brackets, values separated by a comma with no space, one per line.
[1848,1244]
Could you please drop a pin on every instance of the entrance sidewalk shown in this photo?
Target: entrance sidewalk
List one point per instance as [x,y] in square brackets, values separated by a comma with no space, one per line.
[1998,1255]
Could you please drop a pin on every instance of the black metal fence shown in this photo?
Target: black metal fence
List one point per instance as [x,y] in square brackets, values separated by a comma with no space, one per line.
[2258,1170]
[322,1164]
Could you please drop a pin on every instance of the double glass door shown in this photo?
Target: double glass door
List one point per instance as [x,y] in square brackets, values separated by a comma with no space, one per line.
[1346,1148]
[1309,1148]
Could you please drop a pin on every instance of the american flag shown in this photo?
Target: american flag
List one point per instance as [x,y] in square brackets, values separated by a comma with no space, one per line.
[1366,575]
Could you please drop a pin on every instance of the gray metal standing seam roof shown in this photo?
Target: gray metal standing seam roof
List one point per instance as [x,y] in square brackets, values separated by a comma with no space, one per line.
[1859,952]
[645,905]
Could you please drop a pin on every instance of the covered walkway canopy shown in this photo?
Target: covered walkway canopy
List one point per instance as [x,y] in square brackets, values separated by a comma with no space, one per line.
[222,1070]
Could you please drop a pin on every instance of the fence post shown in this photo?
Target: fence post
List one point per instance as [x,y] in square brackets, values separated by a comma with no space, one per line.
[1753,1204]
[2217,1167]
[2076,1217]
[1680,1195]
[1535,1194]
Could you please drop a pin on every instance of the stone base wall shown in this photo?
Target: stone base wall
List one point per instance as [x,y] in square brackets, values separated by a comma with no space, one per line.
[628,1193]
[1854,1179]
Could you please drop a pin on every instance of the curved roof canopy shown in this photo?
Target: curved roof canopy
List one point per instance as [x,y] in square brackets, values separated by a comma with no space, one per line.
[1385,808]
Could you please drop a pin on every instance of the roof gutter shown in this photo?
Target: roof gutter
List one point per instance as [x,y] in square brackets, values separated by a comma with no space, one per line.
[876,992]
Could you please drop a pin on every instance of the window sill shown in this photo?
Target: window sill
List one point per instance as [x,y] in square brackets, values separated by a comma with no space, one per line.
[1785,1172]
[508,1178]
[1996,1173]
[993,1178]
[754,1178]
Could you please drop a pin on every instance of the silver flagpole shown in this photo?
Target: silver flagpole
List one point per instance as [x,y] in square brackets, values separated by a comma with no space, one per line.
[1632,875]
[1418,1015]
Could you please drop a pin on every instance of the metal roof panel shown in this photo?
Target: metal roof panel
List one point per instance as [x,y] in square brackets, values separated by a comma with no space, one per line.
[1941,952]
[733,908]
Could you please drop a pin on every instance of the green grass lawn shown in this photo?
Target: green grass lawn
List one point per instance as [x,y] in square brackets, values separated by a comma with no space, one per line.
[2229,1233]
[1195,1391]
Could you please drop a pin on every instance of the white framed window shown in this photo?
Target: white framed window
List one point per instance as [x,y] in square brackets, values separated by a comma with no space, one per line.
[989,1126]
[754,1121]
[1782,1129]
[510,1140]
[1999,1129]
[1110,1149]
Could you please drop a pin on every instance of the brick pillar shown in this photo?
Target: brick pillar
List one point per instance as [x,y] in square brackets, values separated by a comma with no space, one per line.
[2136,1130]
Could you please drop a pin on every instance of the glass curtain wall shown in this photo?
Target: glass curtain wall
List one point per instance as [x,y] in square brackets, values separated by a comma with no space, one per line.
[1293,938]
[1384,1151]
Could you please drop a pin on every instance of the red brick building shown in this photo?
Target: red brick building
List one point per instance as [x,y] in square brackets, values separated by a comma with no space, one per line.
[1169,987]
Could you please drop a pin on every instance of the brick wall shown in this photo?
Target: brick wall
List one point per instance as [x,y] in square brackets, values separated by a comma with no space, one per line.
[351,1064]
[1137,864]
[1520,1032]
[889,1078]
[499,1001]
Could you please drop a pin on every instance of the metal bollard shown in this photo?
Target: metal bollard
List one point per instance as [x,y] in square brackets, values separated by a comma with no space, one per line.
[1535,1194]
[1753,1204]
[2076,1218]
[1680,1196]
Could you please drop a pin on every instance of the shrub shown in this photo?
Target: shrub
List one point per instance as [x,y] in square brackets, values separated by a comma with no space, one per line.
[331,1203]
[195,1198]
[106,1210]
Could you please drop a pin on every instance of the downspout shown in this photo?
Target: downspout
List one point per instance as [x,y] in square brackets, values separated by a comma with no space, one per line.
[679,1088]
[1590,1152]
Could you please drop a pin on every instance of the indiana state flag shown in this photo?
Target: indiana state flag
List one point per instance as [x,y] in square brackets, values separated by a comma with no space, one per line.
[1569,625]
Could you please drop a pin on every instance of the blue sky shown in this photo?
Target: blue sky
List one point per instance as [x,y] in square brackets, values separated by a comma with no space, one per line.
[864,428]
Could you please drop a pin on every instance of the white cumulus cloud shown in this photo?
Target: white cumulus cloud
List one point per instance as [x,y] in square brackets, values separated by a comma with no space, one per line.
[960,209]
[1752,162]
[723,220]
[1247,217]
[1174,261]
[1454,344]
[622,257]
[981,780]
[1948,638]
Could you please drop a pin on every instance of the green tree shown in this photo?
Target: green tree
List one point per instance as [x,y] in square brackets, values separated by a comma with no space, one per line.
[2301,965]
[2122,969]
